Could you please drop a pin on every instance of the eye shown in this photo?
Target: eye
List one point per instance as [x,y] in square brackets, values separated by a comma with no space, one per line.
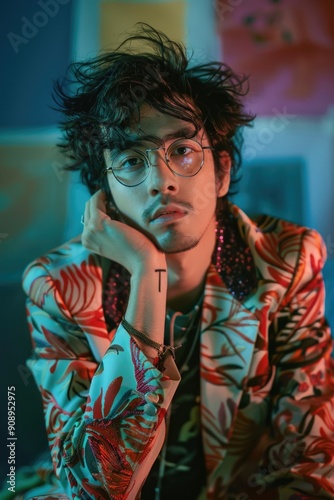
[132,162]
[181,151]
[183,147]
[128,160]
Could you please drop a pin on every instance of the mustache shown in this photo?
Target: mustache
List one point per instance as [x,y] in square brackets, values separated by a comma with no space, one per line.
[149,211]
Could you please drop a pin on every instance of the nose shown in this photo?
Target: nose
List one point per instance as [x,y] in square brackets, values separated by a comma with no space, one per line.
[161,178]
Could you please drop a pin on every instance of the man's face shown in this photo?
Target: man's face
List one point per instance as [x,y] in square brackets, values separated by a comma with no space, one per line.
[173,211]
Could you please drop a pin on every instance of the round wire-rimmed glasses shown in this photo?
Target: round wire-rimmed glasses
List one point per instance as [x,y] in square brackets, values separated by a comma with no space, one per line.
[184,157]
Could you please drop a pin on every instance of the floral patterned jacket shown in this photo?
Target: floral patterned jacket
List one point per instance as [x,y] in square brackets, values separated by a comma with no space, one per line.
[267,400]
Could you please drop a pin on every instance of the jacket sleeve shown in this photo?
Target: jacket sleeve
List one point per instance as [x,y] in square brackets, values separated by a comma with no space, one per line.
[300,463]
[104,420]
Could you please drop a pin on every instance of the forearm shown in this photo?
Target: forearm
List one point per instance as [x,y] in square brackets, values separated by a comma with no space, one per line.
[147,302]
[82,398]
[117,427]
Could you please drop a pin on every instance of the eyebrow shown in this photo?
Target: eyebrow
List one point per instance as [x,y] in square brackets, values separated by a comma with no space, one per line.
[176,134]
[183,132]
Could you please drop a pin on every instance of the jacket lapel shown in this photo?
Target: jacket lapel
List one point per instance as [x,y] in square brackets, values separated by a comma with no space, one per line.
[228,334]
[234,341]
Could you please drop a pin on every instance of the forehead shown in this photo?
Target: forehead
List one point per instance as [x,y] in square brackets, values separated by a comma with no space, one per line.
[152,122]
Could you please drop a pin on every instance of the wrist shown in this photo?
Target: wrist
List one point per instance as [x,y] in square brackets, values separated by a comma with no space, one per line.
[146,308]
[162,350]
[144,266]
[152,281]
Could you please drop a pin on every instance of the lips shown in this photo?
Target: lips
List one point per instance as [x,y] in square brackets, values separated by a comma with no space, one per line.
[168,213]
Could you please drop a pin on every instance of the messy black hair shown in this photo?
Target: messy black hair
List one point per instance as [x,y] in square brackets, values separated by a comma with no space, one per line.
[101,97]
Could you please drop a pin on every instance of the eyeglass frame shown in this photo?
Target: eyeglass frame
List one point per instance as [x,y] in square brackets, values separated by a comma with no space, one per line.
[164,149]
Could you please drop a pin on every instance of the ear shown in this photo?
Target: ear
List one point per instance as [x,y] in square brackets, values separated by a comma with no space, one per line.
[224,175]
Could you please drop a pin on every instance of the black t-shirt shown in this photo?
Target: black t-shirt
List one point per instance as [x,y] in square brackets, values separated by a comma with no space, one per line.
[183,475]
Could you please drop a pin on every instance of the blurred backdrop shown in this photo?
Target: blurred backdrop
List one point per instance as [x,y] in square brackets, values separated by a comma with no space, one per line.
[287,48]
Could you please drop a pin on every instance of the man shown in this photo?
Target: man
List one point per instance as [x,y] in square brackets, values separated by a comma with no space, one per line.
[179,346]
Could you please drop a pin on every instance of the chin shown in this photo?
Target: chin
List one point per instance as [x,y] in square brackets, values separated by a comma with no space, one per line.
[182,244]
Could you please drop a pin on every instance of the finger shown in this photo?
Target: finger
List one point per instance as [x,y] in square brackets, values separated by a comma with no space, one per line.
[99,201]
[97,210]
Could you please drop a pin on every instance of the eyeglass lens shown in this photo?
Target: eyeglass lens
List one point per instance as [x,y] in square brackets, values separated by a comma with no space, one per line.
[183,156]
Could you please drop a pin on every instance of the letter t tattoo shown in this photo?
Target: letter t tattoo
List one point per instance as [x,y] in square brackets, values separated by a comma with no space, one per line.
[160,271]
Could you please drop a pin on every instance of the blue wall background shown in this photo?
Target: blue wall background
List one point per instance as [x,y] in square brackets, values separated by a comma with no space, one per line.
[26,122]
[30,68]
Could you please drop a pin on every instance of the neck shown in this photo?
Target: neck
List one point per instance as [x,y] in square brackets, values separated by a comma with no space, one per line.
[187,272]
